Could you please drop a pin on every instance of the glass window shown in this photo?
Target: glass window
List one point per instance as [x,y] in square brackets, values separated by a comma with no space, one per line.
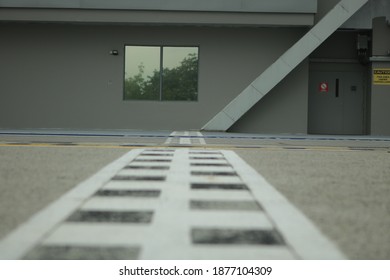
[142,73]
[180,73]
[161,73]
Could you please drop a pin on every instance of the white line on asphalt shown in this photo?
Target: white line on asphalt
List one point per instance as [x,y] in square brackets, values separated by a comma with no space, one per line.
[27,235]
[201,139]
[185,141]
[169,139]
[302,235]
[185,138]
[224,211]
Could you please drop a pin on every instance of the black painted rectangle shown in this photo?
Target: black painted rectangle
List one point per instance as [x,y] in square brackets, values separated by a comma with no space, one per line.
[131,193]
[207,164]
[152,160]
[204,153]
[235,205]
[213,173]
[111,217]
[216,186]
[59,252]
[137,178]
[147,167]
[156,154]
[206,158]
[235,236]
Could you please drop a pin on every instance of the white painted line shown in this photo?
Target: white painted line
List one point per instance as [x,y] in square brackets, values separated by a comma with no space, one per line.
[170,138]
[102,234]
[142,172]
[170,220]
[234,252]
[201,140]
[124,186]
[27,235]
[230,219]
[216,179]
[212,169]
[120,204]
[299,232]
[202,161]
[226,195]
[174,219]
[170,232]
[185,138]
[185,141]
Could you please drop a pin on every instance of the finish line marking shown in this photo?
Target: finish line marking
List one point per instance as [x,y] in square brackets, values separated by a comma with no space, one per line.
[171,204]
[185,138]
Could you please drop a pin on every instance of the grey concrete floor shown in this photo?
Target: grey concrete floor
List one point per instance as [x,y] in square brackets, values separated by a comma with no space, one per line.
[346,194]
[32,177]
[344,191]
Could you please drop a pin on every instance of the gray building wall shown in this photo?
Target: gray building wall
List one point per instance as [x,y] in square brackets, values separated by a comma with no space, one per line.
[59,75]
[380,97]
[323,7]
[363,18]
[375,16]
[381,37]
[62,76]
[283,110]
[270,6]
[151,17]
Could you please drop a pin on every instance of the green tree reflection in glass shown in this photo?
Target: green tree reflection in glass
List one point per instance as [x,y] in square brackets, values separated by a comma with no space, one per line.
[179,77]
[142,66]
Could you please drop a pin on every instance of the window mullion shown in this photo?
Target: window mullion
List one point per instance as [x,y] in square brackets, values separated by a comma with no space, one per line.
[161,71]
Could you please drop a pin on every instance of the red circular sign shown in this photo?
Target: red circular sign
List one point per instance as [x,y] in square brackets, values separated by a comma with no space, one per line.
[324,87]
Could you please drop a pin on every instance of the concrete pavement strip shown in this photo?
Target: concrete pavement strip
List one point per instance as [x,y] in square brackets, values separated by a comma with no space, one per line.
[304,171]
[84,221]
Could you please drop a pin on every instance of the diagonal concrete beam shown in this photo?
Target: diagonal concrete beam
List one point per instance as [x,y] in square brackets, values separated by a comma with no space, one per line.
[284,65]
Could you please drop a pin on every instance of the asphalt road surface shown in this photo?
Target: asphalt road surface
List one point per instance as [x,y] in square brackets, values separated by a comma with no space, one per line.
[339,185]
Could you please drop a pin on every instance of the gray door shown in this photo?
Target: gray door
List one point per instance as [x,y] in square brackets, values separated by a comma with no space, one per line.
[336,103]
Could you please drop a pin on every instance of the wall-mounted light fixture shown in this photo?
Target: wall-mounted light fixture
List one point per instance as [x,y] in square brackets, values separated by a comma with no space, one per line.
[114,52]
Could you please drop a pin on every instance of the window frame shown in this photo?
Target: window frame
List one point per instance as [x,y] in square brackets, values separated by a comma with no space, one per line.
[161,69]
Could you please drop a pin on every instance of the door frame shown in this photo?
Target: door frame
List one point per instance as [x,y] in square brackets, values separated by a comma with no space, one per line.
[343,65]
